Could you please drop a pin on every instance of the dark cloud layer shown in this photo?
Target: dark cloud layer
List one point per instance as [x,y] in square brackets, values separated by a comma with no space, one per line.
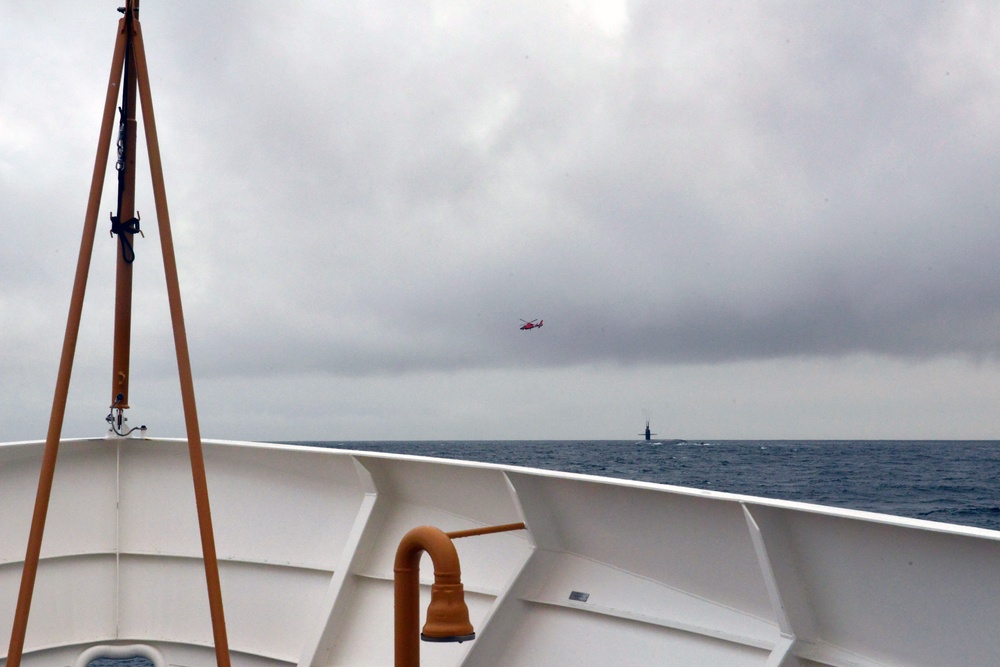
[366,190]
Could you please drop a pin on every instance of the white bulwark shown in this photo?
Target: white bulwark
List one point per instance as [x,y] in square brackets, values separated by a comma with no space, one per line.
[607,572]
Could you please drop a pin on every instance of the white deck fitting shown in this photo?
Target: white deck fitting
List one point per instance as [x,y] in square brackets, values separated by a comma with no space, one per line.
[306,539]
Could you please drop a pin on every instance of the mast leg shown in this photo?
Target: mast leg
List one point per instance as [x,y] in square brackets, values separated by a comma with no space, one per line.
[183,359]
[58,413]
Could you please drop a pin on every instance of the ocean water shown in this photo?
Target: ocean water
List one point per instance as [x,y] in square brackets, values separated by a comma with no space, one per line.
[950,481]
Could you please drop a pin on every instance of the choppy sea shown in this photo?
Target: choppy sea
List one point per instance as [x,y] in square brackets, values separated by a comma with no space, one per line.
[950,481]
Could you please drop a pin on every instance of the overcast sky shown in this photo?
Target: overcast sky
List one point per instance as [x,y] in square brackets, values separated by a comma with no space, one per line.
[740,219]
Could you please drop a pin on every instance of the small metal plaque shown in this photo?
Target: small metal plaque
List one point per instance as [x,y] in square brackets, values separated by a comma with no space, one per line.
[577,596]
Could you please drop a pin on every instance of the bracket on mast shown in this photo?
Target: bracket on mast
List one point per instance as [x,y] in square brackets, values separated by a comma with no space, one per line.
[119,422]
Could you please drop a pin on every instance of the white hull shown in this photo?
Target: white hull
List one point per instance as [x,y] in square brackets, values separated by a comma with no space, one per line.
[306,539]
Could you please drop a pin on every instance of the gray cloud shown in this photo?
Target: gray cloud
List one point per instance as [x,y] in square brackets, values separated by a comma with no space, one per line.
[360,190]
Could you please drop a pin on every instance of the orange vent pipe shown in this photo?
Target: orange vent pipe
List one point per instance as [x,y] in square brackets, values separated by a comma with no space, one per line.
[447,615]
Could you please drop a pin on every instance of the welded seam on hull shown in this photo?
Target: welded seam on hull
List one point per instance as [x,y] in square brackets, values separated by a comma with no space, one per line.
[767,572]
[118,537]
[500,623]
[791,646]
[337,602]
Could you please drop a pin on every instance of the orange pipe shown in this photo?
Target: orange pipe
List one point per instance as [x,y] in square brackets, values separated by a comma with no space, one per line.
[58,413]
[447,587]
[448,615]
[183,358]
[472,532]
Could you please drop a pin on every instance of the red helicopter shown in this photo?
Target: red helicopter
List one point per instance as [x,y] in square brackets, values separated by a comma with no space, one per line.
[531,325]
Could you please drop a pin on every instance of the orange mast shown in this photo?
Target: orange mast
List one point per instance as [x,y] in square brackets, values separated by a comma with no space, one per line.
[124,225]
[128,48]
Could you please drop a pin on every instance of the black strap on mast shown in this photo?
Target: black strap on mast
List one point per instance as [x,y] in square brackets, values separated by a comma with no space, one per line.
[121,226]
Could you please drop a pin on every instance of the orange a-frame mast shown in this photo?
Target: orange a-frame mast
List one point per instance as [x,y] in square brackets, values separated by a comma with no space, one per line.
[128,46]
